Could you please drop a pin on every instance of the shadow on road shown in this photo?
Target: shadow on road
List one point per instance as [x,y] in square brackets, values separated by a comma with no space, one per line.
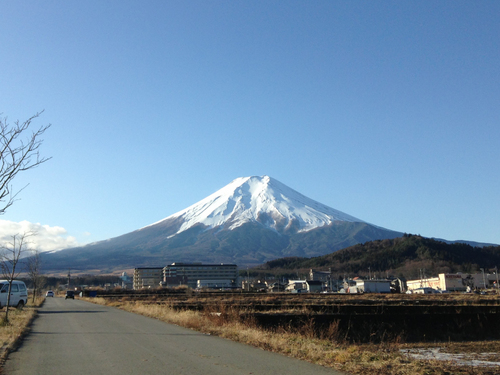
[71,312]
[121,333]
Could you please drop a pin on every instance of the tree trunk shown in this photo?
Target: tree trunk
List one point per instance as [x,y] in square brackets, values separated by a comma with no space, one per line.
[8,303]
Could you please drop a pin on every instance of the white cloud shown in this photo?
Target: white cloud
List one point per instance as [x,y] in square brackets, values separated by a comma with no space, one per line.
[47,238]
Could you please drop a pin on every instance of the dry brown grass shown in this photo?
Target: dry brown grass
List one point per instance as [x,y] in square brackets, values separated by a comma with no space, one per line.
[330,350]
[19,321]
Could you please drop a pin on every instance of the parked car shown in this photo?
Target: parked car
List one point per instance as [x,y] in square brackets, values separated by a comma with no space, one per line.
[69,294]
[49,293]
[18,293]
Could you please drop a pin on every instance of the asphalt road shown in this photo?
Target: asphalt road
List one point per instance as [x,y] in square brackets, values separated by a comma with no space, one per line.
[78,337]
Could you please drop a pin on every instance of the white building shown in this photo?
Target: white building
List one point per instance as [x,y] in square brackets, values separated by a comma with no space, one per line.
[452,282]
[373,286]
[296,286]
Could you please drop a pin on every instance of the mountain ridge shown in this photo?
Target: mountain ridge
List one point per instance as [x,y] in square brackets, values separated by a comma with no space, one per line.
[404,256]
[248,222]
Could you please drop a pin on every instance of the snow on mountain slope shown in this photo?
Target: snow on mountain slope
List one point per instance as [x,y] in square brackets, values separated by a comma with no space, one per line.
[258,199]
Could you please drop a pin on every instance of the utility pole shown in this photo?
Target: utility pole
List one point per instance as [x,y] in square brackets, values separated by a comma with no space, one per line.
[69,277]
[496,273]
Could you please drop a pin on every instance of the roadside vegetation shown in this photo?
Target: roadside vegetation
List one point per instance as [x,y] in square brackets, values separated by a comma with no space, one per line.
[327,348]
[18,326]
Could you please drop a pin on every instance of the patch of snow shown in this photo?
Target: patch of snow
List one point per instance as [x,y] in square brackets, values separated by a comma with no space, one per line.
[459,359]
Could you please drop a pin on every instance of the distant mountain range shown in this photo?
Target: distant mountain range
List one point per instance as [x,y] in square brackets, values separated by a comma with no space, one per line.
[250,221]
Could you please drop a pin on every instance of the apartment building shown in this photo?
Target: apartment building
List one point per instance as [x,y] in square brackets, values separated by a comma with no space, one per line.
[202,274]
[147,277]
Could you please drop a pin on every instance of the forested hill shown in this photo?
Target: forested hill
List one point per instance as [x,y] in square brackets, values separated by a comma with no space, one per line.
[405,256]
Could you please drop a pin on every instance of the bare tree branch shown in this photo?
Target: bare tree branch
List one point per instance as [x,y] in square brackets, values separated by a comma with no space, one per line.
[19,152]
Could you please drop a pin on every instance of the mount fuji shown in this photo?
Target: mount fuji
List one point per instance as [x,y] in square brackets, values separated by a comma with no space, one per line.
[248,222]
[262,200]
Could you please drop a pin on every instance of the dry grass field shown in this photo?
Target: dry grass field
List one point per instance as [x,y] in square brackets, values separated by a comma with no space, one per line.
[222,316]
[18,326]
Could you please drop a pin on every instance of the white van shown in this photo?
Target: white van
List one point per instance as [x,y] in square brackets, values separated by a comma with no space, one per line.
[18,293]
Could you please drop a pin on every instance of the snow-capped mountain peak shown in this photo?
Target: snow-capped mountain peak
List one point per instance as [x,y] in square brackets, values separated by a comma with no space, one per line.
[250,221]
[262,200]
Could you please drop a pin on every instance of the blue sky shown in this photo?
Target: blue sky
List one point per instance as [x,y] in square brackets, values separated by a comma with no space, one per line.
[386,110]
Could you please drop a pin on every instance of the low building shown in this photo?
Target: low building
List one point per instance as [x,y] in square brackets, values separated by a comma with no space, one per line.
[454,282]
[275,286]
[373,286]
[480,280]
[296,286]
[349,286]
[215,284]
[147,277]
[429,282]
[206,272]
[314,286]
[254,285]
